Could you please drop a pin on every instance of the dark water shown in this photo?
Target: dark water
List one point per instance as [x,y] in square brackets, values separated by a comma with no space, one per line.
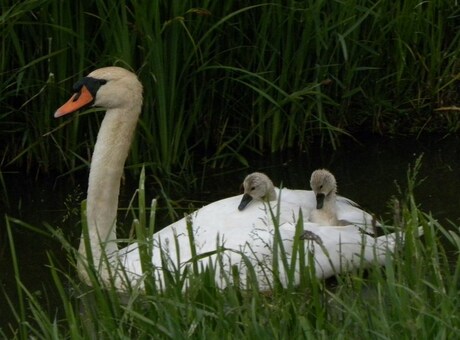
[368,172]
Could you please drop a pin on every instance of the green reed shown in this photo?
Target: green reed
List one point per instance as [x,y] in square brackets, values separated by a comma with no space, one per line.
[222,79]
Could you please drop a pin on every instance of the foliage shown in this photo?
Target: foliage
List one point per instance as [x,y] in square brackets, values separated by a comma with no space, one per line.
[225,78]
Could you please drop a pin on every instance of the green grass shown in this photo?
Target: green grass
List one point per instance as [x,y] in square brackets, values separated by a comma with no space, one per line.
[415,295]
[223,79]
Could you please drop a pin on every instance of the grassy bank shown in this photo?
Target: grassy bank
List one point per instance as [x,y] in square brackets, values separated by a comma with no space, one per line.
[415,295]
[224,78]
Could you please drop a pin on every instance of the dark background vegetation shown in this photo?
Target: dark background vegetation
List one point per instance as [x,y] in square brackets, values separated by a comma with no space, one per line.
[226,78]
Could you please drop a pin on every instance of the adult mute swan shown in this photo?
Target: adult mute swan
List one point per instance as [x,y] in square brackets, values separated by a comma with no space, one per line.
[337,210]
[242,237]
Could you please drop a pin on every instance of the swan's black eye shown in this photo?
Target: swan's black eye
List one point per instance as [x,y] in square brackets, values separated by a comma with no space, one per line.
[253,188]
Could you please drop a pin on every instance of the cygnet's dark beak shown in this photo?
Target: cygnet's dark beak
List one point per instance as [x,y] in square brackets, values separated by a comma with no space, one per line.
[319,200]
[244,201]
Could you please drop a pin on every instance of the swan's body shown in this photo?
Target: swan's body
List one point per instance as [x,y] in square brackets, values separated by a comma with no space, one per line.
[248,232]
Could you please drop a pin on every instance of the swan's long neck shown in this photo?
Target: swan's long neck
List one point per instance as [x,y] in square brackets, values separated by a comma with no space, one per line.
[110,153]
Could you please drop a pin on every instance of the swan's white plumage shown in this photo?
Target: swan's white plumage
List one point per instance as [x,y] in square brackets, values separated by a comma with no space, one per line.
[249,232]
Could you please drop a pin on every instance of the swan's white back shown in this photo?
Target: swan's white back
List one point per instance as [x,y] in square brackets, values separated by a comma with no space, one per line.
[251,233]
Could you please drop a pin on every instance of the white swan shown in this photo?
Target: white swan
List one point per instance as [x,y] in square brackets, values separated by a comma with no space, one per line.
[248,235]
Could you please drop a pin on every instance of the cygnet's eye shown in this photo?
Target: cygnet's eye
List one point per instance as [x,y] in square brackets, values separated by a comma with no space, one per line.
[253,188]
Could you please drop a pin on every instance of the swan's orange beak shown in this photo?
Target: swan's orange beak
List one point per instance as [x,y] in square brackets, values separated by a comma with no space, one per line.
[78,100]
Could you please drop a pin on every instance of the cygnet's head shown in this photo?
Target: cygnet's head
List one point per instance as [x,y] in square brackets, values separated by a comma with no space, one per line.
[323,184]
[257,186]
